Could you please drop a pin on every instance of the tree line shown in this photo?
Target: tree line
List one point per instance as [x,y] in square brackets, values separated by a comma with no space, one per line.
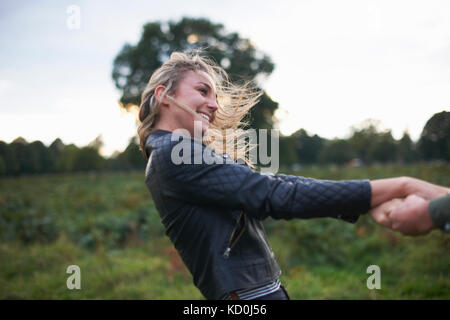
[367,144]
[20,157]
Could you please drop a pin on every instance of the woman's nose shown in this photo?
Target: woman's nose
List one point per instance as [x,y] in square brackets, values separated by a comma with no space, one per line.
[213,105]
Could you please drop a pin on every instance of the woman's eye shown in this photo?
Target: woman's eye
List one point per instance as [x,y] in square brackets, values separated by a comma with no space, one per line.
[204,91]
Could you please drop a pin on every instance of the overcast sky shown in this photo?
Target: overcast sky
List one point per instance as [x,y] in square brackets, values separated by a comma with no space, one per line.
[337,63]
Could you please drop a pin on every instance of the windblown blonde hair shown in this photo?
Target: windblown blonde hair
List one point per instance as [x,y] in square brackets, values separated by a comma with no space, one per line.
[234,102]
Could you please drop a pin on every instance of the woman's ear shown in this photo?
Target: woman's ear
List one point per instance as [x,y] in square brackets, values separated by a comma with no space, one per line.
[159,90]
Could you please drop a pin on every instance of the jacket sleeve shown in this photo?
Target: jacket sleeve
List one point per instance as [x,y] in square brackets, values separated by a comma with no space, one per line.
[440,212]
[207,178]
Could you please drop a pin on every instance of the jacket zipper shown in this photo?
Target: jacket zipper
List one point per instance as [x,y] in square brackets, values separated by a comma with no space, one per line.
[263,238]
[232,243]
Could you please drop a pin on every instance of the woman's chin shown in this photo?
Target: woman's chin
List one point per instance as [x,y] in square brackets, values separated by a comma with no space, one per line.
[205,131]
[205,127]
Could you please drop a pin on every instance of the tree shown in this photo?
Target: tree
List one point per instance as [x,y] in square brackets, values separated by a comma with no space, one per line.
[10,164]
[87,159]
[131,157]
[45,159]
[407,152]
[66,159]
[363,137]
[27,156]
[434,142]
[287,152]
[2,167]
[307,147]
[56,148]
[383,148]
[97,143]
[238,56]
[337,151]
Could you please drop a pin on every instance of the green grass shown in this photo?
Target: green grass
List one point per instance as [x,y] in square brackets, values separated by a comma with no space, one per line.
[107,224]
[411,268]
[38,271]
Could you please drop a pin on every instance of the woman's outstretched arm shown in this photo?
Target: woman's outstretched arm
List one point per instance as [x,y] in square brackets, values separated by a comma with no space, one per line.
[201,177]
[235,186]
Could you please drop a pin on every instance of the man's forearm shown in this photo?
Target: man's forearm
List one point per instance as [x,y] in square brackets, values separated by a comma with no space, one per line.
[425,189]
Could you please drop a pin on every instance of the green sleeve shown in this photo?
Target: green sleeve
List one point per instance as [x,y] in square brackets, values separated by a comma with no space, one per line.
[440,212]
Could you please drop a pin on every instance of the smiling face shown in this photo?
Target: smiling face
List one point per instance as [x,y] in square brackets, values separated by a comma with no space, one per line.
[195,91]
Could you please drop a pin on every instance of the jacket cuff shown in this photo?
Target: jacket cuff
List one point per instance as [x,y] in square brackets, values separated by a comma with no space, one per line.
[363,205]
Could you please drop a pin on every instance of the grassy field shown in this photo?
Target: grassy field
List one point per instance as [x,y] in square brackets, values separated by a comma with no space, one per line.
[107,225]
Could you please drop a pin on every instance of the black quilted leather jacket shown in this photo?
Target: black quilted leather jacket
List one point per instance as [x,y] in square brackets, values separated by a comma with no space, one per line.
[212,212]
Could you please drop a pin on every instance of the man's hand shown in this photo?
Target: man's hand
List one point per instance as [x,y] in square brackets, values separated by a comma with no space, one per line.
[425,190]
[409,216]
[381,214]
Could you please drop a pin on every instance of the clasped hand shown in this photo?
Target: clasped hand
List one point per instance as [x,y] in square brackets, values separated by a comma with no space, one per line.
[409,215]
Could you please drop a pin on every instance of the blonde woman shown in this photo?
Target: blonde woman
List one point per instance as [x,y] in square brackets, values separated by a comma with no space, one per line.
[212,210]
